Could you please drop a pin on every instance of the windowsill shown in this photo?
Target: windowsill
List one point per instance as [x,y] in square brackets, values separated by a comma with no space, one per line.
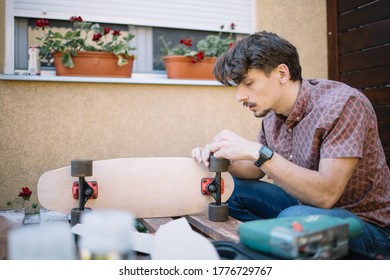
[137,78]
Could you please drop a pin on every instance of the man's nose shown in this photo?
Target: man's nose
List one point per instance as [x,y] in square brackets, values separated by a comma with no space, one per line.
[241,94]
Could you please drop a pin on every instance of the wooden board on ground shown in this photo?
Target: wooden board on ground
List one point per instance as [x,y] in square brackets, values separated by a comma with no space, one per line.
[216,231]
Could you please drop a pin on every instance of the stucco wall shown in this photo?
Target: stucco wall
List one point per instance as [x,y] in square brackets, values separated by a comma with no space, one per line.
[303,23]
[43,125]
[46,124]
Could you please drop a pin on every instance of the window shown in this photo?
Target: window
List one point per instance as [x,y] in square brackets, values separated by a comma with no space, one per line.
[150,19]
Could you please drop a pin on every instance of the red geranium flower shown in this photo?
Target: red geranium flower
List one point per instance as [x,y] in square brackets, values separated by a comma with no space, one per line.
[25,193]
[186,42]
[198,57]
[116,33]
[42,23]
[75,18]
[107,30]
[96,37]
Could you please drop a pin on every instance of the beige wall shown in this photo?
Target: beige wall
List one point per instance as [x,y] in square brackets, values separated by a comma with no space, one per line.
[43,125]
[303,23]
[46,124]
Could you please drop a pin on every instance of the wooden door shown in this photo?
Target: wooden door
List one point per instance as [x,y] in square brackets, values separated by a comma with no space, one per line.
[359,53]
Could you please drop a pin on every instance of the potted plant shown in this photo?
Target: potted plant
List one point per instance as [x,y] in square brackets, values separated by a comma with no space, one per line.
[29,211]
[182,62]
[87,50]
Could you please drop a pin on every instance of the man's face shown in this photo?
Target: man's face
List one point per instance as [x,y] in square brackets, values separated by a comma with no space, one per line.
[260,93]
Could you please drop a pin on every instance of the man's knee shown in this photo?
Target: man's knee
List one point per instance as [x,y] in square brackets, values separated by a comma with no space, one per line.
[298,210]
[306,210]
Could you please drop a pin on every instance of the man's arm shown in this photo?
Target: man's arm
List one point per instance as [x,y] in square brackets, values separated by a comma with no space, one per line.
[239,166]
[245,169]
[320,188]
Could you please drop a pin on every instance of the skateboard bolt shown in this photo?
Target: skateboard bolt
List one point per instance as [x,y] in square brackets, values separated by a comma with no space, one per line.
[212,188]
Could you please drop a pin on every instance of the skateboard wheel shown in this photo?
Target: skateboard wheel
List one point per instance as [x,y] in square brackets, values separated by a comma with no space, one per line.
[218,164]
[75,215]
[81,168]
[218,213]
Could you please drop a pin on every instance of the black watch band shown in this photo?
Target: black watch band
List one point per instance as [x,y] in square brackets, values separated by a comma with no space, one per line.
[265,154]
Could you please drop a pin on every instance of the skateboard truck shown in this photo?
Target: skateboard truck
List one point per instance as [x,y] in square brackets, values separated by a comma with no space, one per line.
[218,211]
[82,190]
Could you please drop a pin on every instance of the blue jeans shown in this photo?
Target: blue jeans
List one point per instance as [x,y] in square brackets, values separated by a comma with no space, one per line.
[253,200]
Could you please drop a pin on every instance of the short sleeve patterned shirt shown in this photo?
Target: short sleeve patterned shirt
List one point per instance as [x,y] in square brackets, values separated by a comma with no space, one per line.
[332,120]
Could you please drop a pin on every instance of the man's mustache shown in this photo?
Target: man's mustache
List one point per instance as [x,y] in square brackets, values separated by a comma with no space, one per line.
[248,104]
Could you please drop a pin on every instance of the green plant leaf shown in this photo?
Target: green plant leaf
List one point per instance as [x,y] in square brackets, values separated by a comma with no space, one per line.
[122,61]
[66,60]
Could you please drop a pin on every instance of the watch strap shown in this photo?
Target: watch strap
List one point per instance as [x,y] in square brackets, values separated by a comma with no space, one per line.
[265,154]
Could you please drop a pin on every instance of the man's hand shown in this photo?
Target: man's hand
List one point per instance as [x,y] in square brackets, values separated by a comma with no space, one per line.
[227,145]
[202,155]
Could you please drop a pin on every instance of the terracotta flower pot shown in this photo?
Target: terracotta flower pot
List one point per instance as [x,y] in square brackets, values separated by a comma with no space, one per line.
[182,67]
[94,64]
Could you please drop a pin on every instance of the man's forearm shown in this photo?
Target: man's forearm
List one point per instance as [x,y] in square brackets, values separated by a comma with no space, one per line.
[244,169]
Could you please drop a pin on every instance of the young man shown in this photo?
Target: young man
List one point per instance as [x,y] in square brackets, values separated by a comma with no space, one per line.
[319,143]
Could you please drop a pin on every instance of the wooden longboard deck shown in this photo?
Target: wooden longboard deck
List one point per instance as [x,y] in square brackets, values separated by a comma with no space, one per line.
[146,187]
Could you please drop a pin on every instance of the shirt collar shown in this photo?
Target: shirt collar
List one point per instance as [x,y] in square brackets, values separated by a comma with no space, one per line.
[300,106]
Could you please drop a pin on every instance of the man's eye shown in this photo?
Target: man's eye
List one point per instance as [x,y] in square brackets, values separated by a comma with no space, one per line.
[248,83]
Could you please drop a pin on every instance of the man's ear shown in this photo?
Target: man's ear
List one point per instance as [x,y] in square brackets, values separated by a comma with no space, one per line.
[284,73]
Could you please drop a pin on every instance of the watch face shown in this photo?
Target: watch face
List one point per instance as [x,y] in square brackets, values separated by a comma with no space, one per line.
[267,152]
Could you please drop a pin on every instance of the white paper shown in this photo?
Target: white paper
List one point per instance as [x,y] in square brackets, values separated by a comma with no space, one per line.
[173,241]
[177,241]
[142,242]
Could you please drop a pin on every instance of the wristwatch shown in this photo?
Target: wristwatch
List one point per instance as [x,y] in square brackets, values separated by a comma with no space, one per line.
[265,154]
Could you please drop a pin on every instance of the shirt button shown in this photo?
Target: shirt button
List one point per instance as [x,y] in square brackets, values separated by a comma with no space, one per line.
[289,130]
[291,156]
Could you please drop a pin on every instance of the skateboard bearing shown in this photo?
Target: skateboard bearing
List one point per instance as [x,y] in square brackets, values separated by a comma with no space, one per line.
[91,192]
[207,186]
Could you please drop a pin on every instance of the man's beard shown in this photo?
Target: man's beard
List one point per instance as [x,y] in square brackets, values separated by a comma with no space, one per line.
[257,114]
[261,114]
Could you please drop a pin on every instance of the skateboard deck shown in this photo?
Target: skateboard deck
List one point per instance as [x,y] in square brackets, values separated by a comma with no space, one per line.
[146,187]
